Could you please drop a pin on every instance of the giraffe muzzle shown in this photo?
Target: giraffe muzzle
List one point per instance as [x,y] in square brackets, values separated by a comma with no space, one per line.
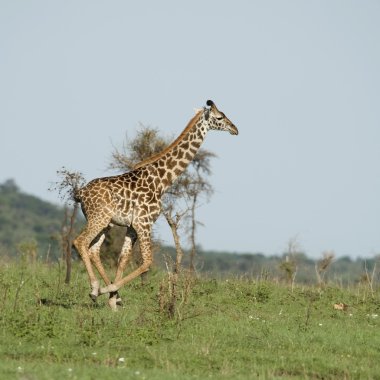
[233,130]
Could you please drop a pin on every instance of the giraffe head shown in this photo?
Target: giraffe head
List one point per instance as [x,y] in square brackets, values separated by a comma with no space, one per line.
[217,120]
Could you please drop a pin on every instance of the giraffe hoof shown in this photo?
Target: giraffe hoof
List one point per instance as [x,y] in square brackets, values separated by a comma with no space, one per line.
[113,303]
[117,298]
[94,290]
[119,302]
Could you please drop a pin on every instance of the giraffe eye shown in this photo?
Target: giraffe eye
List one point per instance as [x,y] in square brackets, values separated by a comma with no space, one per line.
[221,116]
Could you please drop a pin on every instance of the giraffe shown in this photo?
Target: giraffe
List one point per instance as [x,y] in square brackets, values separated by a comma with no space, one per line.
[133,200]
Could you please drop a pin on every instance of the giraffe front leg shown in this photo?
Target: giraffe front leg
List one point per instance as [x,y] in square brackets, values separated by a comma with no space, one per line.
[114,298]
[124,258]
[146,253]
[95,258]
[117,285]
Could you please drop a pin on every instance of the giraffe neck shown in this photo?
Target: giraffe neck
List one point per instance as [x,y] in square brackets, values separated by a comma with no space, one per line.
[173,161]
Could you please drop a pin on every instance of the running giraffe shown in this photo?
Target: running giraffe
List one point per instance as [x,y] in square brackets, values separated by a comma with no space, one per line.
[133,200]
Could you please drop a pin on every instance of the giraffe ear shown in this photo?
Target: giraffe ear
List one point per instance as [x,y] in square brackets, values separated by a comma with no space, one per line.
[207,114]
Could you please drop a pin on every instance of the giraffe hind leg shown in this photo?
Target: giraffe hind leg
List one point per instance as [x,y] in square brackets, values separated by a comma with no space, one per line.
[82,244]
[95,258]
[124,258]
[126,252]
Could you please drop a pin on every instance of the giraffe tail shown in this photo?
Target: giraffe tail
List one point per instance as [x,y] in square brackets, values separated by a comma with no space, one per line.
[76,195]
[76,198]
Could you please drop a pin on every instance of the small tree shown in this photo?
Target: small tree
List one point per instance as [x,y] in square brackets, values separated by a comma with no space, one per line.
[184,195]
[322,265]
[198,186]
[289,265]
[180,200]
[68,185]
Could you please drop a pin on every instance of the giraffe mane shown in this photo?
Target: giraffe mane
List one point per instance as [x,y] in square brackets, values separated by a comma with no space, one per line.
[157,156]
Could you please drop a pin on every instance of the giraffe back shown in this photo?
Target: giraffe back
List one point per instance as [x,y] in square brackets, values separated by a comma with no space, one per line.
[124,199]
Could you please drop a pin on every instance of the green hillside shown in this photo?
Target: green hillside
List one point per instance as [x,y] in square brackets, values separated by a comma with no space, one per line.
[26,219]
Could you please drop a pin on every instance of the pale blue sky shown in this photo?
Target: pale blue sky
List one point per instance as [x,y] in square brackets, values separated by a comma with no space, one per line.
[300,79]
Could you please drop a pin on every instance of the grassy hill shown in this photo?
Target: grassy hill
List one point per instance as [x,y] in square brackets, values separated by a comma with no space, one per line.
[223,329]
[26,219]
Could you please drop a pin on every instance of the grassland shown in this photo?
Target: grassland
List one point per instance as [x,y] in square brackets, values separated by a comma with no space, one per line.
[230,329]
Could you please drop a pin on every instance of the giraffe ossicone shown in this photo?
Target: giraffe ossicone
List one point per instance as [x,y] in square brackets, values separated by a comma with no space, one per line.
[133,200]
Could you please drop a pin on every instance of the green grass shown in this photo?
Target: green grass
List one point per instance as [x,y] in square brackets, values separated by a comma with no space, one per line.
[230,329]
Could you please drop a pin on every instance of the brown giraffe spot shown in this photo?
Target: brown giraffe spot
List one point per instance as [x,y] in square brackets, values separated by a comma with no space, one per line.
[182,164]
[161,172]
[180,154]
[171,164]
